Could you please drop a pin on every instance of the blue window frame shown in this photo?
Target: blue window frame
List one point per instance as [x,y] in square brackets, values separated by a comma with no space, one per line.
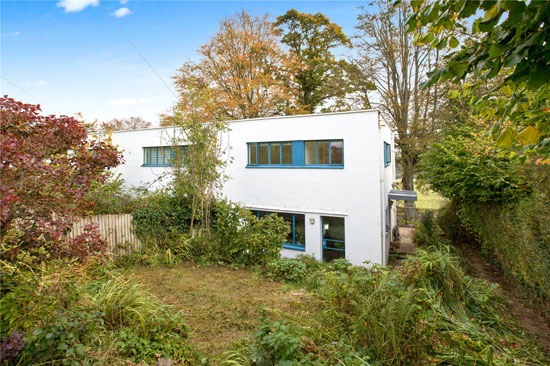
[296,154]
[161,155]
[334,237]
[387,154]
[270,153]
[297,237]
[324,152]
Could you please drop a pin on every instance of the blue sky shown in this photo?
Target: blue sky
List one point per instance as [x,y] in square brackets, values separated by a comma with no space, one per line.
[70,57]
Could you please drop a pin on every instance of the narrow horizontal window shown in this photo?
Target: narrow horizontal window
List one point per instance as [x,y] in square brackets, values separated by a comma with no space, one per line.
[161,155]
[325,152]
[296,154]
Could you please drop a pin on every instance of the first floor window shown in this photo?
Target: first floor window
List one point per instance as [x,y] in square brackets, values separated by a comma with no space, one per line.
[324,152]
[161,155]
[387,154]
[270,153]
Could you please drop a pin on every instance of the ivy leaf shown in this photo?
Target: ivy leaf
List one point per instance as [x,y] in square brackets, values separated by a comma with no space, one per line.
[529,136]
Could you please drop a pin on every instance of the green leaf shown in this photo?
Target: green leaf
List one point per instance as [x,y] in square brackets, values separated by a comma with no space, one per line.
[427,38]
[458,68]
[469,9]
[529,136]
[453,42]
[512,60]
[415,4]
[506,138]
[496,50]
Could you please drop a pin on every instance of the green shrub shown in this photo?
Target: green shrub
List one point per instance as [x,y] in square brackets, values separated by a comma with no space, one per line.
[517,237]
[112,197]
[287,269]
[275,344]
[67,340]
[162,221]
[467,167]
[239,237]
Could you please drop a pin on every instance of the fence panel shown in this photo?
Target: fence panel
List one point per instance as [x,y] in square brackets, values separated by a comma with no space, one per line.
[115,229]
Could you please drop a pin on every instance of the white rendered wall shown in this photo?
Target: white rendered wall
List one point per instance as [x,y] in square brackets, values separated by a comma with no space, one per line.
[356,192]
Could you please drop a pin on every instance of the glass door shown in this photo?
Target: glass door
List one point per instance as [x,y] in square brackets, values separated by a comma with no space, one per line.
[334,242]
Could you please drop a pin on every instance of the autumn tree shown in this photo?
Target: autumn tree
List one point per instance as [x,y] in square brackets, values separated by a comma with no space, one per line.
[240,66]
[130,123]
[389,57]
[312,71]
[47,167]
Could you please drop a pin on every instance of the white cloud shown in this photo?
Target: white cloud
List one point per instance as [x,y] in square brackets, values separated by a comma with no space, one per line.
[127,101]
[122,12]
[74,6]
[12,34]
[36,83]
[122,2]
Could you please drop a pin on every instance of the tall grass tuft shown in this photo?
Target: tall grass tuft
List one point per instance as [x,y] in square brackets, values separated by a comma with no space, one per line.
[126,303]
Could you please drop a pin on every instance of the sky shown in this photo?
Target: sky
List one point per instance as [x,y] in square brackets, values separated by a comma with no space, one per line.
[75,56]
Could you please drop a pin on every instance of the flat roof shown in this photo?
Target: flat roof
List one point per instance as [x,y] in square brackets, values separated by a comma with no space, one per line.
[259,119]
[402,195]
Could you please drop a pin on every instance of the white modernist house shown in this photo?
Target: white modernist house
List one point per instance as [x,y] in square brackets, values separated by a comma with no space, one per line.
[331,176]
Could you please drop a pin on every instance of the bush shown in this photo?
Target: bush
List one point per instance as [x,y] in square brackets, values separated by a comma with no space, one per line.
[163,219]
[239,237]
[467,167]
[112,197]
[275,344]
[427,232]
[287,269]
[517,237]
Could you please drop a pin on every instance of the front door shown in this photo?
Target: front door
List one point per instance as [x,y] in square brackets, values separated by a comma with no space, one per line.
[334,244]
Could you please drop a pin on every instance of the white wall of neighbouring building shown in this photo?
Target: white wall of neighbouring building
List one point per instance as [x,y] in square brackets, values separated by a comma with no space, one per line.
[357,192]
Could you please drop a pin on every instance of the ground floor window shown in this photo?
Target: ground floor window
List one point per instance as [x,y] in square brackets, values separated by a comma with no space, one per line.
[334,238]
[297,237]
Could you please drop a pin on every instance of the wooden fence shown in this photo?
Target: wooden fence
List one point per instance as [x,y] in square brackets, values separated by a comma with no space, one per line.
[115,229]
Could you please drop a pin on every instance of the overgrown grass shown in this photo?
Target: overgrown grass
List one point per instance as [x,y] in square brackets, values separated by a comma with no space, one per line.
[426,312]
[74,314]
[222,305]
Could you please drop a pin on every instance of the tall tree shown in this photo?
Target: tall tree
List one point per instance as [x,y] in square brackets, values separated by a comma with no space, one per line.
[313,71]
[130,123]
[240,66]
[389,57]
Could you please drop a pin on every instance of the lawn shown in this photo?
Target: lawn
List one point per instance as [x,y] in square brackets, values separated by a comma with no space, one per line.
[429,200]
[223,305]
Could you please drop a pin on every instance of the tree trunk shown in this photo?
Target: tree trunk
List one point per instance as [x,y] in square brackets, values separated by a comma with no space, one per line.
[407,180]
